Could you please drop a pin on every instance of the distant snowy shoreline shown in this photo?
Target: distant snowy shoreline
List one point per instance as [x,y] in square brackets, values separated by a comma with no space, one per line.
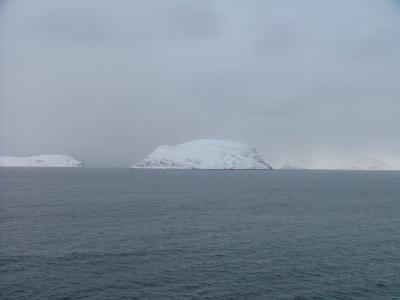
[213,154]
[45,160]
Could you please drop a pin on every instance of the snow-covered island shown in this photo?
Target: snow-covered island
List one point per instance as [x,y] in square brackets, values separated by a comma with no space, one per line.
[45,160]
[204,154]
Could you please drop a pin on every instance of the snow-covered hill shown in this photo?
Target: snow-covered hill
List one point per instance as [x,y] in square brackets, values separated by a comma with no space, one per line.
[46,160]
[204,154]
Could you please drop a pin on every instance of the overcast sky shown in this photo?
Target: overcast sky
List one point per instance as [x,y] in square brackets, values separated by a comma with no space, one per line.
[108,81]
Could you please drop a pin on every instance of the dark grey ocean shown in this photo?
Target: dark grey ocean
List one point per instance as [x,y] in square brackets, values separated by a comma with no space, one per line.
[148,234]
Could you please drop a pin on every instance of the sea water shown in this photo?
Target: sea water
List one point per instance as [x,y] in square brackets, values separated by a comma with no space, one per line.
[147,234]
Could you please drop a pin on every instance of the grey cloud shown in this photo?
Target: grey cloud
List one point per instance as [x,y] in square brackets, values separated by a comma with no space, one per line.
[196,21]
[126,22]
[278,39]
[109,82]
[380,45]
[67,27]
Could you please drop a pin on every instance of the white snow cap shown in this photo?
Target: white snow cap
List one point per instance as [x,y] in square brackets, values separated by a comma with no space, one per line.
[45,160]
[204,154]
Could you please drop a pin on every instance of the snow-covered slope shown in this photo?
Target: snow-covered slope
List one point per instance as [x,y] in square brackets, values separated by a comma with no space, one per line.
[371,164]
[46,160]
[360,163]
[204,154]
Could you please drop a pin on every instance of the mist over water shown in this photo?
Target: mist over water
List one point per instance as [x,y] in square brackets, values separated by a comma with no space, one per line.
[148,234]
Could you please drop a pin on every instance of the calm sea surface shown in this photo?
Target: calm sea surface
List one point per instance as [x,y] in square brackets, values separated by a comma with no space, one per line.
[138,234]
